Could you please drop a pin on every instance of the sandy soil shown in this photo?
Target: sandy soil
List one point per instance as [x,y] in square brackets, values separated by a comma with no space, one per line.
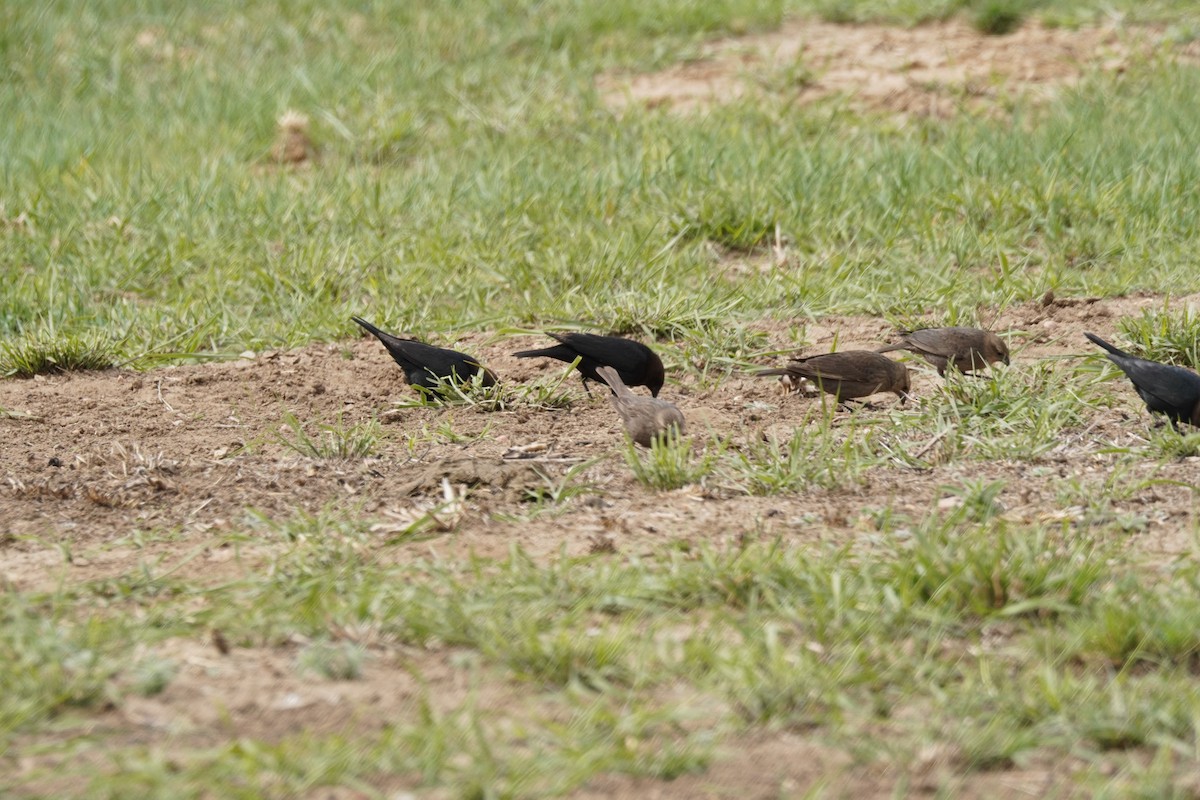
[932,70]
[89,459]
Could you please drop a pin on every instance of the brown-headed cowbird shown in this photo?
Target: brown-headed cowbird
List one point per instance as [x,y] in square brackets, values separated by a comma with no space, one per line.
[849,374]
[1166,389]
[637,364]
[965,349]
[424,364]
[644,417]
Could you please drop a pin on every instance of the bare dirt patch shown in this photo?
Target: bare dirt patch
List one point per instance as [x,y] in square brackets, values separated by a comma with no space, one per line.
[92,463]
[92,459]
[788,764]
[932,70]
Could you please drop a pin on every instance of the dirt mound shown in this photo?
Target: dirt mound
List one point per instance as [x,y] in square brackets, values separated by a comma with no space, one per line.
[511,479]
[932,70]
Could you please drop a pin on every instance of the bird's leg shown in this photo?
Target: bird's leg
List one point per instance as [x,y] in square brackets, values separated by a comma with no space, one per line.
[585,386]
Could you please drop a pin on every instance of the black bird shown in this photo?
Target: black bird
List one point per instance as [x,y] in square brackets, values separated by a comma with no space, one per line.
[1169,390]
[634,362]
[424,364]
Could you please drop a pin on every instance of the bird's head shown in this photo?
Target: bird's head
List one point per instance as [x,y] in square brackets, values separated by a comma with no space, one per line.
[994,349]
[655,375]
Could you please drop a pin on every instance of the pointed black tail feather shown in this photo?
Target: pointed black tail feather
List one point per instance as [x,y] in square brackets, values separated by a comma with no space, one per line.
[370,328]
[1116,351]
[561,352]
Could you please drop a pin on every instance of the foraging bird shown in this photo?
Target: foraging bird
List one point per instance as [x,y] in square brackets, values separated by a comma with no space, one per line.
[424,364]
[849,374]
[1166,389]
[637,364]
[965,349]
[644,417]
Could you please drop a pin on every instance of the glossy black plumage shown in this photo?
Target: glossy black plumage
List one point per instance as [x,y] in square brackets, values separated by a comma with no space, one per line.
[424,364]
[636,363]
[1166,389]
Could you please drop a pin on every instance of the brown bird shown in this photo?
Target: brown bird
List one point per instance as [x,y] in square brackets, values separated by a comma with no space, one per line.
[645,417]
[424,364]
[965,349]
[637,364]
[849,374]
[1165,389]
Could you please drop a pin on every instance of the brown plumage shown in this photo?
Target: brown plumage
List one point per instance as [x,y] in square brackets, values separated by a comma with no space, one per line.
[644,417]
[965,349]
[849,374]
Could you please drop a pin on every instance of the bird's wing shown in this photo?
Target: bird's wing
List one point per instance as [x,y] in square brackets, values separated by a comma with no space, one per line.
[930,341]
[864,373]
[1171,385]
[621,353]
[440,360]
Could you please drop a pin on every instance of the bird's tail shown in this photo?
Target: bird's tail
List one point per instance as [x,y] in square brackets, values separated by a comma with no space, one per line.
[370,328]
[613,379]
[1116,351]
[762,373]
[558,351]
[900,345]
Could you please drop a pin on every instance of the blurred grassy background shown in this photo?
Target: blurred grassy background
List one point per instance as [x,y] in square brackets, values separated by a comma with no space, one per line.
[469,176]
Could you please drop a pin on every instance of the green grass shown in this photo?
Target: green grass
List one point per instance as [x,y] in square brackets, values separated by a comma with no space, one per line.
[444,197]
[1034,629]
[672,462]
[52,353]
[1164,335]
[815,456]
[470,177]
[332,441]
[336,662]
[542,393]
[998,17]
